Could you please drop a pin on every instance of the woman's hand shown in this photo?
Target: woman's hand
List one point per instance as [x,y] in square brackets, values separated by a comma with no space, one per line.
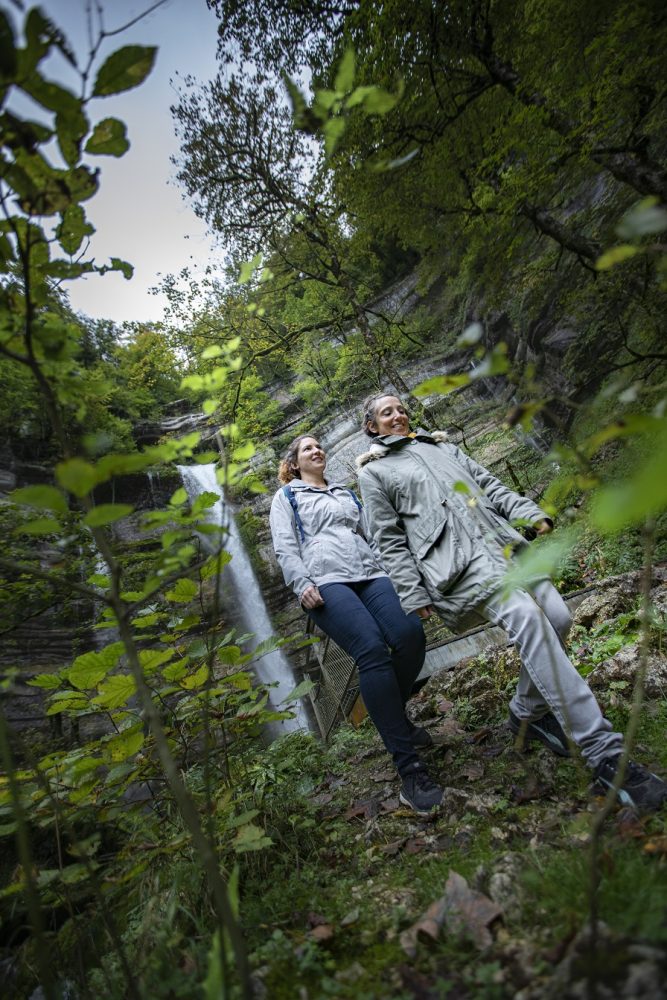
[311,598]
[543,527]
[426,611]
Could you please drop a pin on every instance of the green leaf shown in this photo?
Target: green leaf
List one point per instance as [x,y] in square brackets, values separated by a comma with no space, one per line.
[248,268]
[215,564]
[184,590]
[346,70]
[441,384]
[209,406]
[638,498]
[251,838]
[538,561]
[178,498]
[333,130]
[122,265]
[379,101]
[124,744]
[615,256]
[471,335]
[107,513]
[213,986]
[40,526]
[77,476]
[124,69]
[214,351]
[300,691]
[7,47]
[116,691]
[382,165]
[90,668]
[47,681]
[151,659]
[41,497]
[197,679]
[644,218]
[493,363]
[67,701]
[109,138]
[244,452]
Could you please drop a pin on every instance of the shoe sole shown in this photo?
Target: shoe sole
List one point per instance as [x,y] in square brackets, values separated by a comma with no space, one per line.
[625,799]
[551,743]
[404,800]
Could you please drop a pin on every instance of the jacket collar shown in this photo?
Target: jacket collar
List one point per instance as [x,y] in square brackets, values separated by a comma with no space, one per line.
[382,446]
[298,484]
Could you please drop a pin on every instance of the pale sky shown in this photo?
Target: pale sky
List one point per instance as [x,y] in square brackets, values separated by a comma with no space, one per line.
[139,212]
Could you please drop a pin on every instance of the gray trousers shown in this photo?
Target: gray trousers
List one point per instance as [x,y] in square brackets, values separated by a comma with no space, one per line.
[537,624]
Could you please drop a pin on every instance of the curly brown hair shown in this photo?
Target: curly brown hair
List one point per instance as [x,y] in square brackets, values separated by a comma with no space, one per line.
[289,467]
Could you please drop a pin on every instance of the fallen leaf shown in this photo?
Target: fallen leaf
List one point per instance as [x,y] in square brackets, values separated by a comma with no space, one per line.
[323,932]
[656,845]
[386,775]
[629,825]
[315,919]
[473,770]
[480,735]
[445,706]
[469,910]
[322,799]
[427,928]
[364,809]
[393,848]
[450,727]
[415,845]
[461,909]
[529,792]
[389,805]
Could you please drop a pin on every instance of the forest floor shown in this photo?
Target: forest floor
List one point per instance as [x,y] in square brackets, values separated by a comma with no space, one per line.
[490,897]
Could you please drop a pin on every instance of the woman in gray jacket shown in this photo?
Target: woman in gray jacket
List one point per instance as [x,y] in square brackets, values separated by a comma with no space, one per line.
[329,560]
[442,524]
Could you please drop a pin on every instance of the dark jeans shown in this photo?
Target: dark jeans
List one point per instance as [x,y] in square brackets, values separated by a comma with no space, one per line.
[367,621]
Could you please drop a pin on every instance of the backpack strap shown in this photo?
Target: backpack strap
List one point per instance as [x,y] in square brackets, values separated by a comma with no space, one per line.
[355,498]
[289,493]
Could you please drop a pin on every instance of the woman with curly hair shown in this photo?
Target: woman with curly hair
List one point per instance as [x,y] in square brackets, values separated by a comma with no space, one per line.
[330,561]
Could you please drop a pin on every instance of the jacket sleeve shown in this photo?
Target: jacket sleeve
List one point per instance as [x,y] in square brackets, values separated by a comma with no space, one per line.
[512,506]
[387,532]
[286,545]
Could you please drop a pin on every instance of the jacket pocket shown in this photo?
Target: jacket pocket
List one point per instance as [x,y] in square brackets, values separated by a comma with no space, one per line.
[429,534]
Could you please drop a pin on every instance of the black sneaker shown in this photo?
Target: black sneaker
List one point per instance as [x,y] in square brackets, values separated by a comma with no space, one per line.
[420,738]
[547,730]
[419,791]
[641,789]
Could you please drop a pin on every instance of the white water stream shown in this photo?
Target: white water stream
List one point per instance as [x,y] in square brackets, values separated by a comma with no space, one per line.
[272,668]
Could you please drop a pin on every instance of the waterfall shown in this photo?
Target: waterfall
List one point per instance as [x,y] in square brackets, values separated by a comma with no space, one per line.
[272,668]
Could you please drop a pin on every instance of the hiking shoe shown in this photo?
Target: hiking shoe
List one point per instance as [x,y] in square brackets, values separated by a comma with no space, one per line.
[547,730]
[420,738]
[641,789]
[419,791]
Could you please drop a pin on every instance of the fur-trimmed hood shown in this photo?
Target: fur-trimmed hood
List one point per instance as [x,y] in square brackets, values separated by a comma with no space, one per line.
[383,445]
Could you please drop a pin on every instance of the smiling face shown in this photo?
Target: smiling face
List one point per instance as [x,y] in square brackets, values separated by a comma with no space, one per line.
[390,417]
[310,459]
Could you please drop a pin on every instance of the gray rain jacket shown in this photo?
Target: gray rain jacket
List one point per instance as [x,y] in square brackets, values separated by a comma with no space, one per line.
[334,549]
[441,521]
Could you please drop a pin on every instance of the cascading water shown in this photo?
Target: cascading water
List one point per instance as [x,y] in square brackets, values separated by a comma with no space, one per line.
[272,668]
